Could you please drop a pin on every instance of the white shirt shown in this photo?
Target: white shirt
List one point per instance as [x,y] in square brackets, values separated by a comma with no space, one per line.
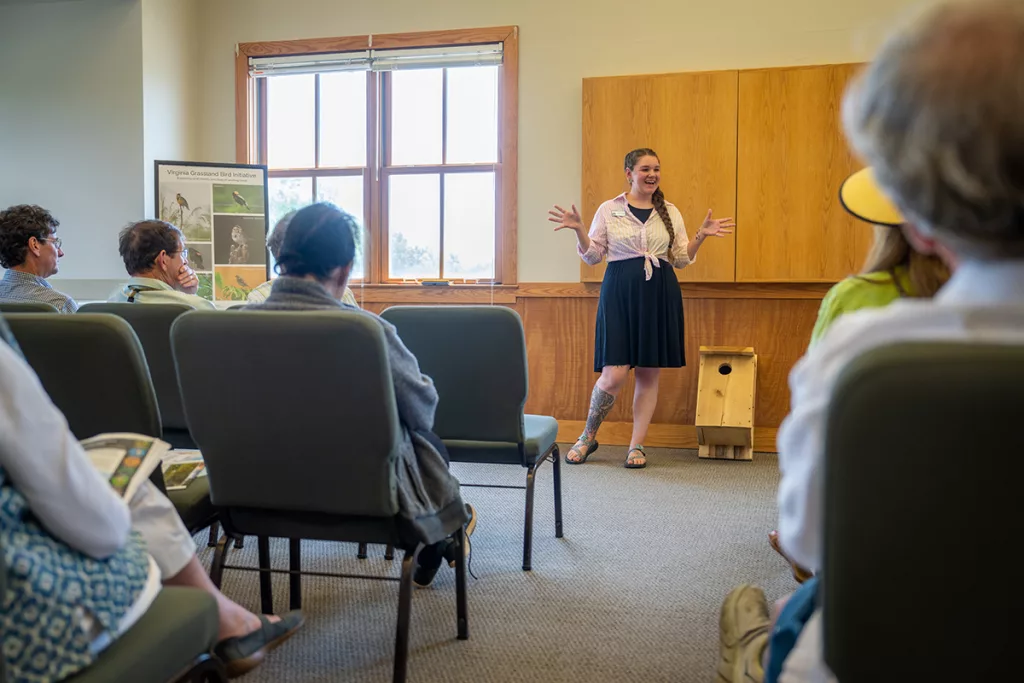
[620,235]
[982,303]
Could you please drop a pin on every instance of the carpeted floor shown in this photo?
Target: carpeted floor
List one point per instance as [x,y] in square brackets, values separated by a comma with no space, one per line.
[631,593]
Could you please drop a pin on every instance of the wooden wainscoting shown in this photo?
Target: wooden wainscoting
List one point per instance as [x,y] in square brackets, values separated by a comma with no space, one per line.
[559,321]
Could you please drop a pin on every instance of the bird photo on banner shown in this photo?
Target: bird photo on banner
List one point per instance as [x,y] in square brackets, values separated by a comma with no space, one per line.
[238,199]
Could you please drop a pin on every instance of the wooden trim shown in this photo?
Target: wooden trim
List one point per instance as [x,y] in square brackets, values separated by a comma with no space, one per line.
[468,36]
[439,168]
[452,294]
[690,290]
[244,109]
[304,46]
[506,269]
[372,264]
[315,172]
[262,122]
[618,434]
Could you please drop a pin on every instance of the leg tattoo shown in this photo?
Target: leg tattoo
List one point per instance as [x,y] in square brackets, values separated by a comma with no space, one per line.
[600,403]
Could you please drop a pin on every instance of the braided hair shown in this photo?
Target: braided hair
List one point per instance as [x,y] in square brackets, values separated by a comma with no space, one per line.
[658,198]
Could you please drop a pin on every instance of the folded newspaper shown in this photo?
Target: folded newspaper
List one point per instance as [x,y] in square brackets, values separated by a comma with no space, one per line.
[126,460]
[181,467]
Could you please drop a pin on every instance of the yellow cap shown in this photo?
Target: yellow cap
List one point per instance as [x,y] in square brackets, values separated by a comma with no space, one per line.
[862,197]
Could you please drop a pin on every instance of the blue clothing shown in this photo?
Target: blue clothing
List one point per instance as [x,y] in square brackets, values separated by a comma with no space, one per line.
[17,286]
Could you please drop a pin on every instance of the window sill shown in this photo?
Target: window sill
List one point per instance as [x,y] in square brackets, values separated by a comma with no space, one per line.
[456,293]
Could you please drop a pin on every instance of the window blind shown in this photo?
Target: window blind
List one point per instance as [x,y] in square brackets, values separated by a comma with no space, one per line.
[378,60]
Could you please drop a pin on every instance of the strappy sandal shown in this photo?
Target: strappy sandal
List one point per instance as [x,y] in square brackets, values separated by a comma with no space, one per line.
[242,654]
[590,445]
[631,459]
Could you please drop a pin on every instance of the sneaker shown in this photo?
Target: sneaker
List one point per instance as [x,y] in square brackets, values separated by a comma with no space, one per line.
[449,553]
[428,562]
[745,624]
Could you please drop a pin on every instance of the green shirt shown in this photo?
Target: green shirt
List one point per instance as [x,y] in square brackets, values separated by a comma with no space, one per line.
[873,290]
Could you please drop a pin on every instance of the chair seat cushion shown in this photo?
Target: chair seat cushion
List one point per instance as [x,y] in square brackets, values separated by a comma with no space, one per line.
[181,624]
[541,433]
[540,430]
[193,504]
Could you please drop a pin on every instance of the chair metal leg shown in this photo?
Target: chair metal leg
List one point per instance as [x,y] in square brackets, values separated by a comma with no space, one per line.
[220,556]
[556,465]
[389,552]
[266,591]
[461,603]
[294,579]
[531,473]
[404,609]
[361,553]
[214,533]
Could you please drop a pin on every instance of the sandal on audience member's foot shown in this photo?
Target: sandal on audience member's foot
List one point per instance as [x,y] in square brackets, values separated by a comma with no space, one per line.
[799,573]
[631,460]
[581,444]
[242,654]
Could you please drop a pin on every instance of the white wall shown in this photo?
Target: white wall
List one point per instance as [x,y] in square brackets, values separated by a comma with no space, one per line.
[560,43]
[171,86]
[71,122]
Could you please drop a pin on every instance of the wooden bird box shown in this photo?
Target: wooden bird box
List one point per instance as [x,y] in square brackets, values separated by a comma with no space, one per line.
[725,402]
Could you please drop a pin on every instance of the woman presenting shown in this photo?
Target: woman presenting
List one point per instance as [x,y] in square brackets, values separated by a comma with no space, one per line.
[640,312]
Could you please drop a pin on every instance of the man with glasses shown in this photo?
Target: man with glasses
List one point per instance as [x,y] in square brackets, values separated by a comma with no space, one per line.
[29,250]
[156,259]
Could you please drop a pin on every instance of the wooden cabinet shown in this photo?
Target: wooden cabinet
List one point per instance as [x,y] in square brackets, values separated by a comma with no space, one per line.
[689,119]
[765,146]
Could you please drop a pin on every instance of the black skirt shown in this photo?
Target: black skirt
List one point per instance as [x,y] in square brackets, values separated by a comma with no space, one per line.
[639,322]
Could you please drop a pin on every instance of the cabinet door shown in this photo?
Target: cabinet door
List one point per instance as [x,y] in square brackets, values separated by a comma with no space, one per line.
[689,119]
[793,157]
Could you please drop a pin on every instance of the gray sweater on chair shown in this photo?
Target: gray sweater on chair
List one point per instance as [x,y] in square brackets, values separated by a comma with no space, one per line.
[428,494]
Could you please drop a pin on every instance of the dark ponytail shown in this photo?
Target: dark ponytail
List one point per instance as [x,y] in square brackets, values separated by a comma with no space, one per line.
[658,198]
[320,238]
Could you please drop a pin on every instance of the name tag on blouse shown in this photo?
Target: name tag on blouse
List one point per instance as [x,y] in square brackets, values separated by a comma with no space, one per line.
[618,214]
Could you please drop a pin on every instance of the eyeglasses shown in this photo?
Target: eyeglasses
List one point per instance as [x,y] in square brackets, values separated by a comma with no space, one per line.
[184,254]
[54,240]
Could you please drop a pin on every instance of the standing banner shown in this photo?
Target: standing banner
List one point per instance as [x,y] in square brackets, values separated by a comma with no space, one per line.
[222,211]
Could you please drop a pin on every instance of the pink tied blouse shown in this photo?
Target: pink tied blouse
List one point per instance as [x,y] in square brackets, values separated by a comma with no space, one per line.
[620,235]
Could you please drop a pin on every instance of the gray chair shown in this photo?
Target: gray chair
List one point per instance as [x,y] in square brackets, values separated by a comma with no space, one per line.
[95,371]
[152,325]
[316,458]
[171,641]
[476,356]
[26,307]
[922,509]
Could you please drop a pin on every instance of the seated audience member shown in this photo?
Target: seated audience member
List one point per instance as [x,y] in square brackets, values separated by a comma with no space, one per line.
[56,511]
[943,130]
[274,240]
[893,270]
[29,250]
[314,264]
[155,257]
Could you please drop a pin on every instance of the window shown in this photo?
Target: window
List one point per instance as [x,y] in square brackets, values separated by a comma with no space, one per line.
[413,134]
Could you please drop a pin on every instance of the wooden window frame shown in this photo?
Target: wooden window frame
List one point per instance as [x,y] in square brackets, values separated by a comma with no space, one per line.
[250,110]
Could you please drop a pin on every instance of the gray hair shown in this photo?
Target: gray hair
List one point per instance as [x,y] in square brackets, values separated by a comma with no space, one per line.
[276,237]
[940,116]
